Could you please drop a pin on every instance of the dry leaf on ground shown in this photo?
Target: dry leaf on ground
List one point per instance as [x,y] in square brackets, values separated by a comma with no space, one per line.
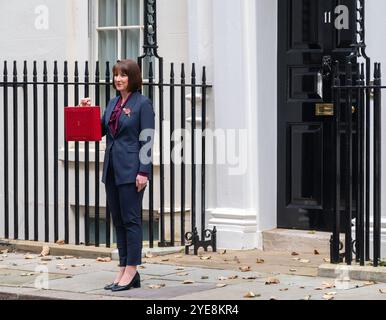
[68,257]
[204,277]
[4,251]
[304,261]
[165,259]
[157,286]
[293,270]
[316,252]
[60,242]
[27,274]
[45,251]
[205,257]
[223,252]
[233,277]
[181,274]
[180,268]
[251,294]
[311,232]
[222,278]
[29,256]
[284,289]
[294,254]
[272,281]
[142,267]
[259,260]
[149,255]
[188,282]
[106,259]
[245,268]
[273,298]
[221,285]
[46,259]
[326,260]
[382,290]
[249,277]
[178,257]
[327,285]
[308,297]
[236,259]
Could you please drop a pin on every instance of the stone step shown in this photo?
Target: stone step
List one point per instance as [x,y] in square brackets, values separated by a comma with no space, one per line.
[285,240]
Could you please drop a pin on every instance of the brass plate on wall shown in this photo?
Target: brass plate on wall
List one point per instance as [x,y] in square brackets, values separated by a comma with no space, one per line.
[324,109]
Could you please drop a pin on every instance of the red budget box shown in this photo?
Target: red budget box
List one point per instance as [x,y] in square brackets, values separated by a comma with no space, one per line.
[82,124]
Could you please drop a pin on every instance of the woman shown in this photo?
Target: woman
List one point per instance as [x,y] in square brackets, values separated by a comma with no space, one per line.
[128,123]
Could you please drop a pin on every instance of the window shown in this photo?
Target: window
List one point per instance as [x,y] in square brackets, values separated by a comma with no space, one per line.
[118,31]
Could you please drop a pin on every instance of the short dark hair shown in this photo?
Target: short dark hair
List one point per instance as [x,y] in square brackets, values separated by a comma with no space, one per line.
[131,69]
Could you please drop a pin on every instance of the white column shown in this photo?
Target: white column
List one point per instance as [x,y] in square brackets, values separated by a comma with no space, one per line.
[235,97]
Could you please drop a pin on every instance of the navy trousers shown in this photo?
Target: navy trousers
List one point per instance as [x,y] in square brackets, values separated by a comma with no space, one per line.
[125,204]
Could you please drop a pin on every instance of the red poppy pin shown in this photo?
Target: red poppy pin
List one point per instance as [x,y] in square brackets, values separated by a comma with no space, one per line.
[127,111]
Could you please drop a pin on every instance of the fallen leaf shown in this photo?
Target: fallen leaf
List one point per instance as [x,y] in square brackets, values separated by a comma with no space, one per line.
[106,259]
[221,278]
[284,289]
[43,263]
[329,296]
[223,252]
[205,257]
[273,298]
[181,274]
[46,259]
[233,277]
[308,297]
[382,291]
[60,242]
[204,277]
[29,256]
[302,287]
[236,259]
[45,251]
[251,294]
[296,259]
[180,268]
[69,277]
[188,282]
[4,251]
[221,285]
[68,257]
[259,260]
[369,283]
[294,254]
[312,232]
[292,270]
[304,261]
[245,268]
[316,252]
[332,293]
[27,274]
[157,286]
[78,265]
[327,285]
[178,257]
[148,255]
[272,281]
[165,259]
[249,277]
[326,260]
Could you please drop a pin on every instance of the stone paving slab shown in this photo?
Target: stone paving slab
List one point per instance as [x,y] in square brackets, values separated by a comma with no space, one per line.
[12,277]
[171,290]
[162,269]
[213,275]
[83,282]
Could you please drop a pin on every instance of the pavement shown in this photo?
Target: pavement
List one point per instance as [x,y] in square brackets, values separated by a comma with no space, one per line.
[224,275]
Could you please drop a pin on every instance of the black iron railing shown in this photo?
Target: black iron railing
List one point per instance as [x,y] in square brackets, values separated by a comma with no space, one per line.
[45,174]
[357,104]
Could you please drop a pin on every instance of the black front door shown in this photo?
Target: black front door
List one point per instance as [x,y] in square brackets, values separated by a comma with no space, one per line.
[311,35]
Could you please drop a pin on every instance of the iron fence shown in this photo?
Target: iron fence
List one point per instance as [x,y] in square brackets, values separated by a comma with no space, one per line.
[53,186]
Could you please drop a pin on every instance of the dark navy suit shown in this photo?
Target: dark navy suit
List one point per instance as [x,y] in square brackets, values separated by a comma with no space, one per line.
[128,153]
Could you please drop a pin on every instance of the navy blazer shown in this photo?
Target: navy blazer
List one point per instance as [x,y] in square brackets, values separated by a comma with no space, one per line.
[131,152]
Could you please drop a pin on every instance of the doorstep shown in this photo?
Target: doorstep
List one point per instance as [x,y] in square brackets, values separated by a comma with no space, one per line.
[353,272]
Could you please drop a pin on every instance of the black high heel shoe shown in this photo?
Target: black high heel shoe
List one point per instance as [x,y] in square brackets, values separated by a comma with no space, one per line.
[135,283]
[111,286]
